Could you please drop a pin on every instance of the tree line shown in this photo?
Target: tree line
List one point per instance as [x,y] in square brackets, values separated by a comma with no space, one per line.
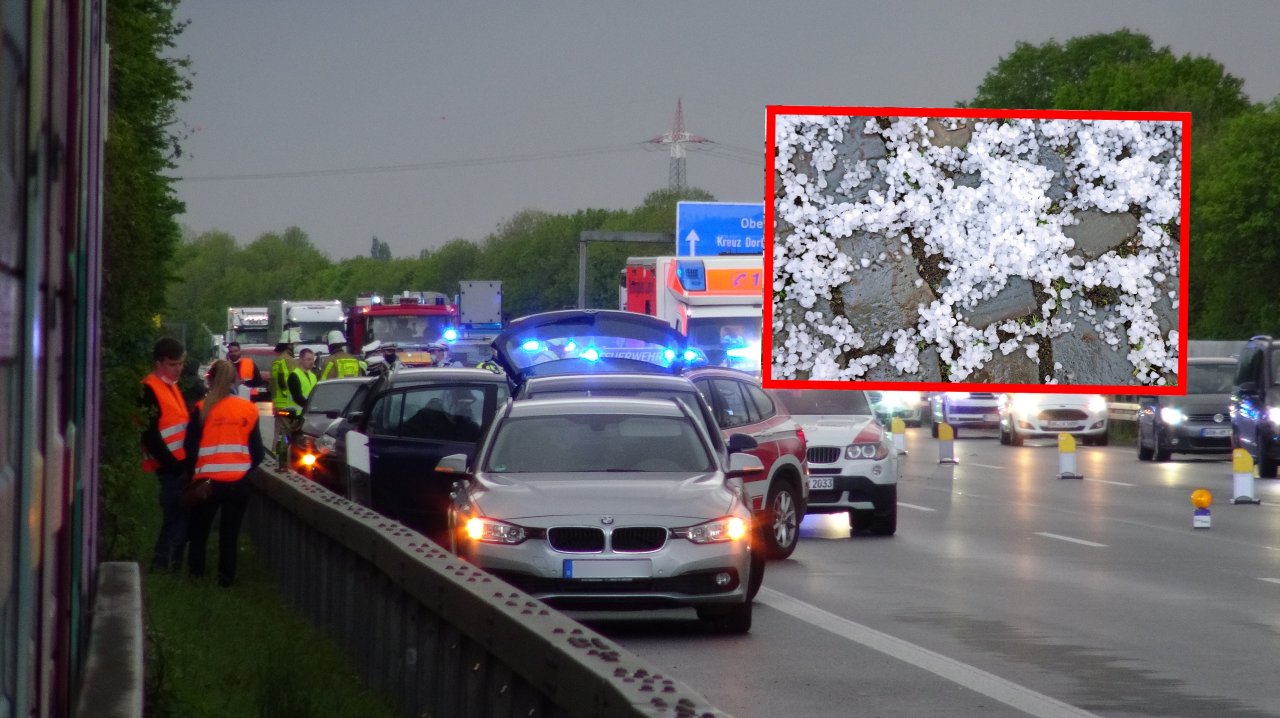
[534,254]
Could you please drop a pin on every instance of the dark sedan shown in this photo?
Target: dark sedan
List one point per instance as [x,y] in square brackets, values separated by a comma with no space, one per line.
[1197,423]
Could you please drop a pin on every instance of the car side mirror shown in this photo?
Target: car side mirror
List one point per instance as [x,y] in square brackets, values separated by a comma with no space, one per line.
[741,442]
[453,464]
[744,465]
[354,418]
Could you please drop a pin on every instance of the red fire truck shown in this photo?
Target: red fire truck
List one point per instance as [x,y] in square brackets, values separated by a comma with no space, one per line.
[416,322]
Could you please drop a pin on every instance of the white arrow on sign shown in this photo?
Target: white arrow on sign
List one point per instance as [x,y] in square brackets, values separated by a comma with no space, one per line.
[692,239]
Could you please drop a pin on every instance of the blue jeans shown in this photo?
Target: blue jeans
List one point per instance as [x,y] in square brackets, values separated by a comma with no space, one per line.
[174,519]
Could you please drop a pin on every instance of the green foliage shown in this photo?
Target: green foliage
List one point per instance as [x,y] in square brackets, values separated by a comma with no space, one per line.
[534,254]
[1235,256]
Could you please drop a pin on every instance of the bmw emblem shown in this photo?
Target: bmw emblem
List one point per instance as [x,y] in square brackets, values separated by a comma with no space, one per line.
[606,520]
[1219,418]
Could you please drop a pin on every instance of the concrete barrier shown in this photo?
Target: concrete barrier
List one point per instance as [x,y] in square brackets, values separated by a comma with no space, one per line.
[435,634]
[113,682]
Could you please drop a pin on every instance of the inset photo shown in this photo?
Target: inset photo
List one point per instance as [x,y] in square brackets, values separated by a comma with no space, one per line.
[1006,250]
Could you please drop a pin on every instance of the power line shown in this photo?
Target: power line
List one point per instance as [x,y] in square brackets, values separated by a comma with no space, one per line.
[415,167]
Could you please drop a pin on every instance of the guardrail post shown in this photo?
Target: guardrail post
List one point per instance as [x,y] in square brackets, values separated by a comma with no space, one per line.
[1242,478]
[1067,457]
[946,444]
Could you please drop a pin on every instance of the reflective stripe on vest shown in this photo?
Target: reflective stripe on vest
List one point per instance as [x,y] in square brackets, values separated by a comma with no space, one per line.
[341,366]
[172,421]
[224,440]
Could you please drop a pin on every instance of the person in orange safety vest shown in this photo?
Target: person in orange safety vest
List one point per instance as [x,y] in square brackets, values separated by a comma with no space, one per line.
[165,419]
[230,446]
[246,371]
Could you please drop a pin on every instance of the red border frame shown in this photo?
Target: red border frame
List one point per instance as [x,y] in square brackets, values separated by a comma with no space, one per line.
[984,113]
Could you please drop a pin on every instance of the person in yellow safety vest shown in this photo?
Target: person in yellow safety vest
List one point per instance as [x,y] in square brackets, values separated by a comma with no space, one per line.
[302,380]
[281,368]
[164,434]
[230,446]
[340,364]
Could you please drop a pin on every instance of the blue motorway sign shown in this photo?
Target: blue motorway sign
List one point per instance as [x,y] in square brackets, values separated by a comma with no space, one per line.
[706,229]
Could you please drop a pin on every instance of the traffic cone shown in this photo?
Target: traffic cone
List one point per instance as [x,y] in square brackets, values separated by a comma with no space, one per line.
[946,444]
[1242,475]
[1067,457]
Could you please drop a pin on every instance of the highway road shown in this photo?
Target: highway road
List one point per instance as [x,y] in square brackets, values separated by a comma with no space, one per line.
[1007,592]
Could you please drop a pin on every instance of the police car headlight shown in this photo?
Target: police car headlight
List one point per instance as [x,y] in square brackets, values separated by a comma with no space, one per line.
[327,444]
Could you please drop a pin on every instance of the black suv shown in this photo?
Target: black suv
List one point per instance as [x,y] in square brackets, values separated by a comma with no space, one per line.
[1255,404]
[411,419]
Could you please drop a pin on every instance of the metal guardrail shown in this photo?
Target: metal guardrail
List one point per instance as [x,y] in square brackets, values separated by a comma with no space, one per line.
[1117,411]
[438,636]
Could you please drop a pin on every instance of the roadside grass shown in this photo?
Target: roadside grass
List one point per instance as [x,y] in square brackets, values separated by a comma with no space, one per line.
[240,651]
[243,651]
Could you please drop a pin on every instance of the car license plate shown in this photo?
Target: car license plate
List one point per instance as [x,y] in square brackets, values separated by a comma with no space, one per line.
[611,568]
[821,482]
[991,417]
[1216,431]
[1059,424]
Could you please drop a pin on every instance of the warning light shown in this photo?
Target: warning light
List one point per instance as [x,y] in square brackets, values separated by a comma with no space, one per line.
[1201,498]
[308,460]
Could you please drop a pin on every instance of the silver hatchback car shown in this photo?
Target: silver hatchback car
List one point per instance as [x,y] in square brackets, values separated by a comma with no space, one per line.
[610,503]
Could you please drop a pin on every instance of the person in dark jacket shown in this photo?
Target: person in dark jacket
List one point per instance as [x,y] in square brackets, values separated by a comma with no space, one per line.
[165,417]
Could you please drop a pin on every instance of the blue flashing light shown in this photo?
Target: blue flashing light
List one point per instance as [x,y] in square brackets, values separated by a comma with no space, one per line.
[571,347]
[591,354]
[531,345]
[451,335]
[690,355]
[669,355]
[743,352]
[692,274]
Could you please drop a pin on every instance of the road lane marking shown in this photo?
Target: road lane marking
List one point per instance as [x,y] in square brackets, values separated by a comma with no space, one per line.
[1113,483]
[1072,540]
[986,466]
[963,674]
[1269,580]
[917,508]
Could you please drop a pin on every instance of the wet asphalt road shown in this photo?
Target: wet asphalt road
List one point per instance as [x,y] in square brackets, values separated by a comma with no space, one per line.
[1007,592]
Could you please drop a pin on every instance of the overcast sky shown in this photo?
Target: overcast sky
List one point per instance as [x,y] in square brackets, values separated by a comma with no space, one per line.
[418,122]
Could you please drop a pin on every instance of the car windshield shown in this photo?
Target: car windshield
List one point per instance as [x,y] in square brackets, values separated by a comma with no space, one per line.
[331,396]
[1210,378]
[574,443]
[253,335]
[407,330]
[728,341]
[316,332]
[824,401]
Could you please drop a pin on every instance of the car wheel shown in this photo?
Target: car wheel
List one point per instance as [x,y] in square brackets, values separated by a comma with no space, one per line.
[1015,439]
[1100,440]
[1004,435]
[1266,462]
[757,570]
[727,618]
[1144,452]
[783,520]
[884,520]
